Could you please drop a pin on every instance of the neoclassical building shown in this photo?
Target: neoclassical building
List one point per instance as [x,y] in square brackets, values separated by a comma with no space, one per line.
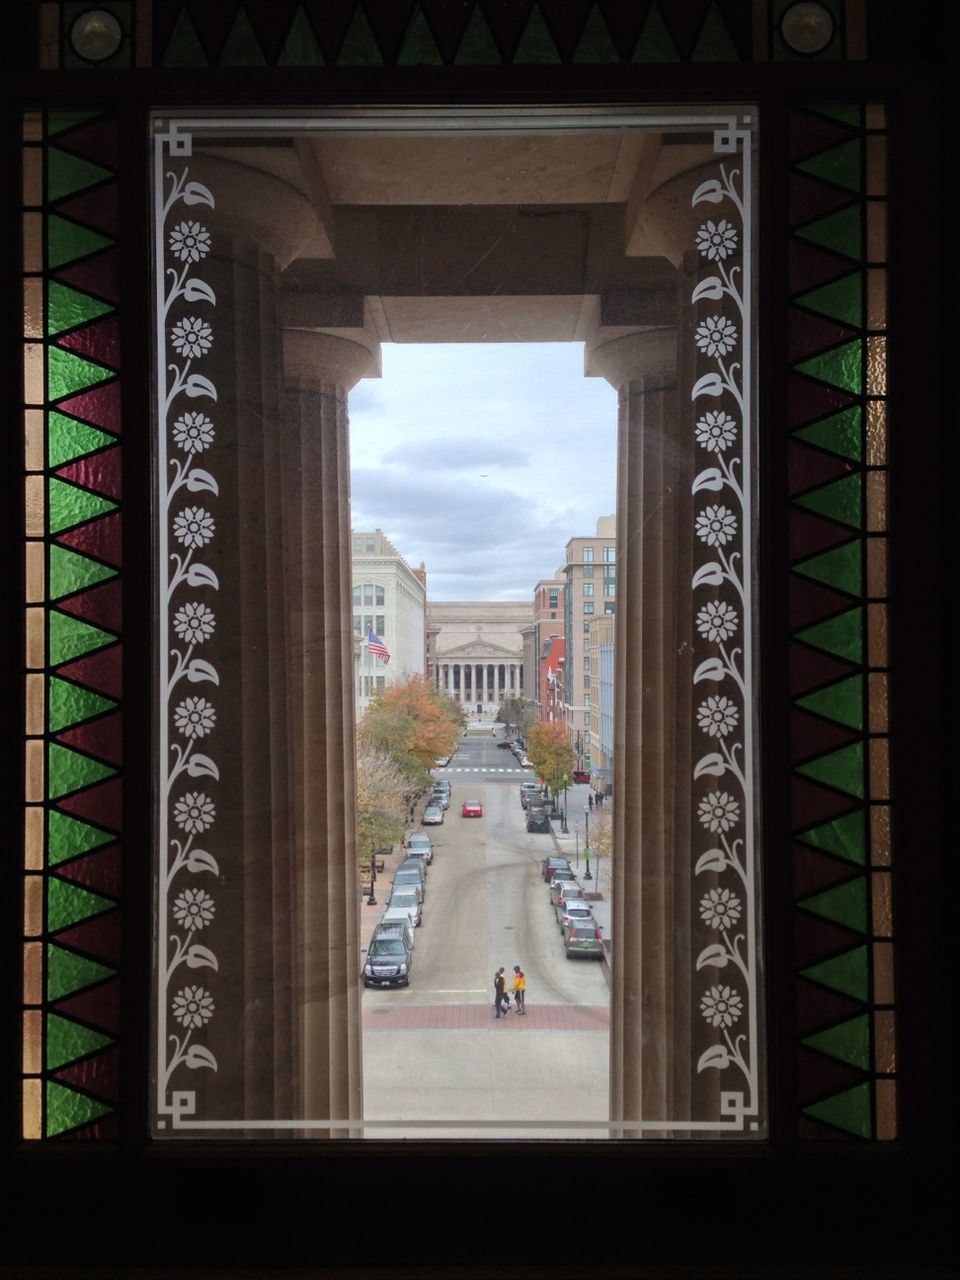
[389,600]
[478,651]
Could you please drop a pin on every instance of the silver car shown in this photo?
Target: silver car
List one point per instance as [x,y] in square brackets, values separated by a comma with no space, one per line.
[432,815]
[419,844]
[403,905]
[559,878]
[582,938]
[411,872]
[572,909]
[410,881]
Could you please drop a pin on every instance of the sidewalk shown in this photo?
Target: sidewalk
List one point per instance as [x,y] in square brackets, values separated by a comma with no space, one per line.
[570,846]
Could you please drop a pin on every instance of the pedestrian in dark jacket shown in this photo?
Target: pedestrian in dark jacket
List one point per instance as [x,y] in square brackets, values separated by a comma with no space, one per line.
[501,1001]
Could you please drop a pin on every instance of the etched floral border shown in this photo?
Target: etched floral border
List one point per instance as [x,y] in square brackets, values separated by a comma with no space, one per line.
[187,587]
[726,977]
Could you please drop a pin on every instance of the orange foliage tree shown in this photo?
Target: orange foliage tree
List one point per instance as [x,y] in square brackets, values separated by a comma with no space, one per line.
[552,755]
[413,723]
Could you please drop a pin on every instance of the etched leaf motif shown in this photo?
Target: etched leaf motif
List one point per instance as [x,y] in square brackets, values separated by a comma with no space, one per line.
[716,1056]
[710,478]
[708,575]
[710,191]
[198,671]
[198,291]
[199,1056]
[712,860]
[198,385]
[198,957]
[711,288]
[200,481]
[202,767]
[200,860]
[712,764]
[710,669]
[200,575]
[715,955]
[710,384]
[197,193]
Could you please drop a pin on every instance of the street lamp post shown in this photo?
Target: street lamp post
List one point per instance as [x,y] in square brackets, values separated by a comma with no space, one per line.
[372,900]
[563,820]
[586,843]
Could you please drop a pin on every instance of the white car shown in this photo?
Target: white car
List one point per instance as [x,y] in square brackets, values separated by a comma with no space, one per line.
[432,815]
[419,843]
[441,761]
[403,906]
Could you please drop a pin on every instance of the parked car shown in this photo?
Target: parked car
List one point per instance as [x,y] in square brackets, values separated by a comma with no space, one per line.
[549,865]
[471,809]
[441,761]
[573,909]
[403,904]
[394,929]
[582,939]
[537,819]
[569,891]
[442,798]
[432,815]
[388,963]
[410,875]
[505,743]
[581,775]
[528,790]
[525,763]
[559,878]
[442,784]
[419,845]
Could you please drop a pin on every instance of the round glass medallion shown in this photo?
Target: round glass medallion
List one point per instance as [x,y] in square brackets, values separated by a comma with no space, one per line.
[96,35]
[807,27]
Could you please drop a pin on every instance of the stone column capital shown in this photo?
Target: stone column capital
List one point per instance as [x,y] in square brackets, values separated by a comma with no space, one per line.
[319,359]
[642,354]
[669,220]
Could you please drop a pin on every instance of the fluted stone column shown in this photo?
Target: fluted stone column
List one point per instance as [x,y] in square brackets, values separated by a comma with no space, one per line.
[320,370]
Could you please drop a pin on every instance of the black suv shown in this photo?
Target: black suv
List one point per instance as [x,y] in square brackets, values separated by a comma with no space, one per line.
[537,819]
[388,963]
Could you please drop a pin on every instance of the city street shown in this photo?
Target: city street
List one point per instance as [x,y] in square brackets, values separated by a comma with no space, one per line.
[434,1051]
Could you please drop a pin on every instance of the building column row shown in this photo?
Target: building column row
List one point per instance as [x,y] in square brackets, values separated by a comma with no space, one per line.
[481,678]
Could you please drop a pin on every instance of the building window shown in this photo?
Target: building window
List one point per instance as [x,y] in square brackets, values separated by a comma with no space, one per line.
[381,683]
[588,570]
[379,626]
[356,625]
[379,595]
[586,664]
[357,594]
[588,606]
[586,718]
[553,617]
[609,588]
[609,608]
[609,555]
[586,682]
[587,555]
[554,599]
[367,593]
[588,588]
[371,545]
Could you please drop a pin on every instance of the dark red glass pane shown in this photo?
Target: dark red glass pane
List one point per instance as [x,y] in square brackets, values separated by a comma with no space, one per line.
[100,538]
[100,1006]
[100,671]
[809,735]
[99,472]
[97,209]
[806,334]
[810,266]
[809,400]
[809,534]
[99,340]
[812,803]
[813,871]
[100,407]
[809,669]
[809,602]
[98,1075]
[103,605]
[99,938]
[102,805]
[99,871]
[810,134]
[102,738]
[99,275]
[818,1076]
[817,1007]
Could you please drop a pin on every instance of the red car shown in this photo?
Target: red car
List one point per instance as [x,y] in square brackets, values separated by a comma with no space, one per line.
[471,809]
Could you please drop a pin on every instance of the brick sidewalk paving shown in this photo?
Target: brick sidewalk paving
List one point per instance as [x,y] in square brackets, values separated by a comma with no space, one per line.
[478,1017]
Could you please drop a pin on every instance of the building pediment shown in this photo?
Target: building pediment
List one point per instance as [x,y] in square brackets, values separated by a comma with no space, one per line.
[479,649]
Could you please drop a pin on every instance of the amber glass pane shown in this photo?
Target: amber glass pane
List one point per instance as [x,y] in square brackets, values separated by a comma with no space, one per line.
[876,433]
[886,1110]
[33,373]
[876,166]
[35,577]
[880,768]
[35,507]
[32,972]
[883,972]
[884,1044]
[877,635]
[876,302]
[32,1042]
[33,126]
[880,835]
[878,702]
[32,1111]
[33,439]
[34,705]
[876,231]
[32,242]
[881,894]
[36,650]
[33,307]
[32,176]
[33,840]
[876,567]
[876,501]
[876,366]
[876,115]
[32,906]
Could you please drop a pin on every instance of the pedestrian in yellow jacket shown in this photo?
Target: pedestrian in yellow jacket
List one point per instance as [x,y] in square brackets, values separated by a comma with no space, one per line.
[519,987]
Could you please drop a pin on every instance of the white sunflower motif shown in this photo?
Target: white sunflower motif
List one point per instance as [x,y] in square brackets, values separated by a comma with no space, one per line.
[193,1006]
[718,811]
[194,623]
[716,431]
[716,240]
[194,812]
[189,242]
[195,717]
[717,716]
[717,621]
[194,527]
[721,1006]
[193,909]
[720,909]
[716,526]
[191,337]
[193,432]
[716,336]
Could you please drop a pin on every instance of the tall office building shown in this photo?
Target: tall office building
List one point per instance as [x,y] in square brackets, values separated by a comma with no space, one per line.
[589,573]
[389,600]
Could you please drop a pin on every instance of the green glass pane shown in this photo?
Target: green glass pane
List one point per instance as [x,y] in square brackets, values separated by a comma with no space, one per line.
[844,904]
[60,121]
[841,500]
[69,837]
[846,113]
[68,373]
[68,505]
[69,704]
[69,904]
[67,174]
[840,299]
[478,47]
[596,46]
[68,770]
[846,837]
[655,43]
[714,43]
[66,308]
[72,638]
[359,48]
[70,572]
[842,702]
[68,1109]
[842,769]
[850,1041]
[842,433]
[841,636]
[67,973]
[849,1111]
[536,45]
[840,232]
[183,48]
[840,568]
[67,241]
[842,367]
[66,1041]
[68,439]
[419,49]
[242,48]
[840,165]
[847,973]
[300,48]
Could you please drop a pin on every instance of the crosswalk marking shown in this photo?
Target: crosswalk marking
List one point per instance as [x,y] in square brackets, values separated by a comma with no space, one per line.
[480,768]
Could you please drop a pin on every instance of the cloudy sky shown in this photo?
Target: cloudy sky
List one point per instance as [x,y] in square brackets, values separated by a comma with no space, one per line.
[482,461]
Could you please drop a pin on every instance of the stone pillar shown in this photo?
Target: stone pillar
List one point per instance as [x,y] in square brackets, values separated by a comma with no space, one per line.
[320,370]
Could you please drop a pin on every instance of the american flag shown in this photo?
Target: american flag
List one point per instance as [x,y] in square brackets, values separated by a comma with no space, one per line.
[377,647]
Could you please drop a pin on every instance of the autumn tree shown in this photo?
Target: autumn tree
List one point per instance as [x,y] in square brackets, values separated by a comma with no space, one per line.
[601,840]
[551,754]
[381,801]
[412,723]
